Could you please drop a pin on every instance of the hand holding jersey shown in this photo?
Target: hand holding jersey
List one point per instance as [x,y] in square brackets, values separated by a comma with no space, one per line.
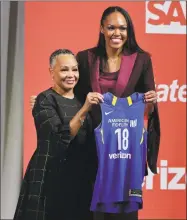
[78,120]
[93,98]
[150,96]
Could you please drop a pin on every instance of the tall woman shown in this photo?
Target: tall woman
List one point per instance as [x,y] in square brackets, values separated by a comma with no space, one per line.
[118,65]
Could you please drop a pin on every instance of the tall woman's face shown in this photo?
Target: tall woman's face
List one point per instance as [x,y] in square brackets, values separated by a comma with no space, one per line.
[115,30]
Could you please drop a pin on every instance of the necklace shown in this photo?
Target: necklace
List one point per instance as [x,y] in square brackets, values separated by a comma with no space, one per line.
[113,60]
[112,64]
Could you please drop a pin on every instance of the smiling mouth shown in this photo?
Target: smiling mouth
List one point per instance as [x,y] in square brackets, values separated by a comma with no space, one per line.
[70,81]
[116,40]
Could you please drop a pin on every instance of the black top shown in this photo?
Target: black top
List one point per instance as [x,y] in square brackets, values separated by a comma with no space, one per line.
[52,116]
[57,182]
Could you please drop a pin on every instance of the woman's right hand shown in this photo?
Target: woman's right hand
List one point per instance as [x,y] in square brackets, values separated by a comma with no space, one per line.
[32,101]
[93,98]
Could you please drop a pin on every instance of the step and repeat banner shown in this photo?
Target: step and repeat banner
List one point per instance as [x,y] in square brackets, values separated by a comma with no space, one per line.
[160,28]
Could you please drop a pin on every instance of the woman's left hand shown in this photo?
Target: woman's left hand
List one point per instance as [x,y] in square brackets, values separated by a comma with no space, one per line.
[150,97]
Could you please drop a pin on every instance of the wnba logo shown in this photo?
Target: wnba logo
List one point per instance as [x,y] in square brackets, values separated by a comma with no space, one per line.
[166,17]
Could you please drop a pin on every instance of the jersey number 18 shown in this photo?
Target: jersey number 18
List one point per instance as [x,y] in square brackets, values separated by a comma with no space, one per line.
[123,138]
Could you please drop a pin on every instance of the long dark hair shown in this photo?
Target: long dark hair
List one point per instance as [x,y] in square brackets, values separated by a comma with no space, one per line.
[131,43]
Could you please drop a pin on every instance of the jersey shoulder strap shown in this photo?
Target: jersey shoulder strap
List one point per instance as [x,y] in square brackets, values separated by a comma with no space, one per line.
[111,99]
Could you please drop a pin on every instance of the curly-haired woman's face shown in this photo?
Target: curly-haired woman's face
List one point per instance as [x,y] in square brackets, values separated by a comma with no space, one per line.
[115,30]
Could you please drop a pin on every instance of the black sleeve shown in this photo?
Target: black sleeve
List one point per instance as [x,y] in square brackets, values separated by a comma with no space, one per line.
[80,89]
[153,140]
[48,122]
[148,76]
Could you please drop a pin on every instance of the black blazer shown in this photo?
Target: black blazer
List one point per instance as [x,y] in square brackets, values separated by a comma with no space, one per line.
[136,75]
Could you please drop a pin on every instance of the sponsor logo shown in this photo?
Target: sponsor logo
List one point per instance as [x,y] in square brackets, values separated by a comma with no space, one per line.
[119,155]
[166,17]
[173,92]
[170,178]
[107,113]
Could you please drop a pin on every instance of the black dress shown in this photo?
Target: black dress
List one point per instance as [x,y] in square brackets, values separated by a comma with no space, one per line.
[57,183]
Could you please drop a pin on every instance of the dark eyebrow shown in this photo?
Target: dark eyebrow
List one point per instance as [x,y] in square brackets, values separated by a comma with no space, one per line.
[124,25]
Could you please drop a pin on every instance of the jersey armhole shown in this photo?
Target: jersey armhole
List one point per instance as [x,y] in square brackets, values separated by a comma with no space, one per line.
[144,134]
[99,127]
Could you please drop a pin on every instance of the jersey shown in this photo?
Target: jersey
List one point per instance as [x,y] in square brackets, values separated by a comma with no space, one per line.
[121,148]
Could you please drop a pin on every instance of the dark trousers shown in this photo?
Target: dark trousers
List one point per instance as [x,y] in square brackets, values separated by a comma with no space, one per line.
[122,216]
